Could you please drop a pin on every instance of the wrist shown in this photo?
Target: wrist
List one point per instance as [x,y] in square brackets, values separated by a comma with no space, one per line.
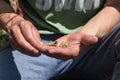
[5,18]
[88,31]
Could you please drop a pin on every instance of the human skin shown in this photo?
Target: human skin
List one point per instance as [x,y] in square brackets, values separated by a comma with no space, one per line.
[23,35]
[95,29]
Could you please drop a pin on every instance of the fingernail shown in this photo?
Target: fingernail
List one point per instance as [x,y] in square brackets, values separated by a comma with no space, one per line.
[36,51]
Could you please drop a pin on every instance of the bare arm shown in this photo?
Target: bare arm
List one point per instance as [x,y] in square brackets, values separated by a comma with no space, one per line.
[94,29]
[23,35]
[104,21]
[6,12]
[5,7]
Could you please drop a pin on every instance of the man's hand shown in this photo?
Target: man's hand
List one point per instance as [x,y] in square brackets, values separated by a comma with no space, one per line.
[74,44]
[23,35]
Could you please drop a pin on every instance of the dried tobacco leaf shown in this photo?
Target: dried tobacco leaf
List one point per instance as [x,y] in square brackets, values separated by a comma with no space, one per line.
[54,43]
[63,45]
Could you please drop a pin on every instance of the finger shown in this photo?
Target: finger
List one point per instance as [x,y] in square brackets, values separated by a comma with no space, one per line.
[21,42]
[37,37]
[62,53]
[14,45]
[29,34]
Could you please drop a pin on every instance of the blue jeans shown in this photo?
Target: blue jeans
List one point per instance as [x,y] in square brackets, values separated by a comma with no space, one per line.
[100,61]
[16,66]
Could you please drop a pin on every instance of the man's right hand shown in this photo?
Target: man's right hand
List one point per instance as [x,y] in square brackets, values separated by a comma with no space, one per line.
[22,34]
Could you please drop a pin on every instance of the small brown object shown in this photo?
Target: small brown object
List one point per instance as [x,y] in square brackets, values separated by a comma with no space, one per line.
[54,43]
[63,45]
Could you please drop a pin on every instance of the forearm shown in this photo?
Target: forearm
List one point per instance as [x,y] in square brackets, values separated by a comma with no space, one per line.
[5,7]
[104,21]
[6,13]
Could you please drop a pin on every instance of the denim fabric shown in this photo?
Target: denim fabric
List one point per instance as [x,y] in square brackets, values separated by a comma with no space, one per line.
[8,69]
[23,67]
[100,61]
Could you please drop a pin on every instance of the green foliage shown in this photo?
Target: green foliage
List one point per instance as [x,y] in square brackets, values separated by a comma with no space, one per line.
[3,39]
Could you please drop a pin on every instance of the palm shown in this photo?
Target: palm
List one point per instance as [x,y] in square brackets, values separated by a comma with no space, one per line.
[75,42]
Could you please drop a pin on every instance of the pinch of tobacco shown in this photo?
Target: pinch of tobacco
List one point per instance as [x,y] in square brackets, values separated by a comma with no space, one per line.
[54,43]
[63,45]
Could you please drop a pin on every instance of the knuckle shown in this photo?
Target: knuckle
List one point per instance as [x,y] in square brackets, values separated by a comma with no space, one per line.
[20,21]
[33,53]
[20,41]
[29,38]
[28,22]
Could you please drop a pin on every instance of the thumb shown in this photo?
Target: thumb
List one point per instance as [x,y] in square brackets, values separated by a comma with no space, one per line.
[89,39]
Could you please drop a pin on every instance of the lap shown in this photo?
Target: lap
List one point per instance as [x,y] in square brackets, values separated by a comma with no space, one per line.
[31,68]
[96,62]
[8,69]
